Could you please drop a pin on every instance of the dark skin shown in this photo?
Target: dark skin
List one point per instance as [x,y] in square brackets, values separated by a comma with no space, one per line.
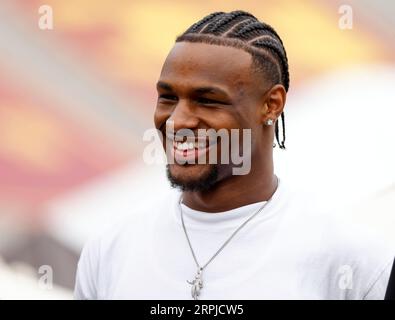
[237,97]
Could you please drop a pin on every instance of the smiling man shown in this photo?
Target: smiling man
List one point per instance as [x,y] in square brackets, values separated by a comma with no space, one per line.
[227,235]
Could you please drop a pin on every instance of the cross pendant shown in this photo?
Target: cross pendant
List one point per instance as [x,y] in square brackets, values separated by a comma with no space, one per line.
[197,284]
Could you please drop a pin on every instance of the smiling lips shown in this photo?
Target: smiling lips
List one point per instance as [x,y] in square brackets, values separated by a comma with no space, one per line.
[189,152]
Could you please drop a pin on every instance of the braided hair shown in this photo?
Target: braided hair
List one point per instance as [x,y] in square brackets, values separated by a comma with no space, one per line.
[242,30]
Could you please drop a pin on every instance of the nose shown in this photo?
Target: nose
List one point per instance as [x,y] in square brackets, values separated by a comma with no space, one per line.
[183,116]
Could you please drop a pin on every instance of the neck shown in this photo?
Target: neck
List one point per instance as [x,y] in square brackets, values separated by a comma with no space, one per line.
[235,191]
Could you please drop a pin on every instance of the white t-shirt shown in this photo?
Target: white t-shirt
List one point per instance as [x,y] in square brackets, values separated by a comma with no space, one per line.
[291,250]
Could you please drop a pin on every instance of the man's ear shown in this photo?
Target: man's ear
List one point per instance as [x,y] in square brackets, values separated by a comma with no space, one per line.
[273,103]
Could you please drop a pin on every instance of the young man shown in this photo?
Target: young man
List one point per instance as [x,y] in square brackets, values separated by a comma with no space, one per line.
[227,235]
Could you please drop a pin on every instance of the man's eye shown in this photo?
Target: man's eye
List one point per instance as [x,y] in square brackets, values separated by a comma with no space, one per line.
[167,97]
[207,101]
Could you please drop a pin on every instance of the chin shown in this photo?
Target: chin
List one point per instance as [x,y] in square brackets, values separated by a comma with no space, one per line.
[196,177]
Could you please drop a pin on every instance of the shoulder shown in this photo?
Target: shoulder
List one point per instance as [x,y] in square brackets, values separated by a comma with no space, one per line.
[362,254]
[103,253]
[133,229]
[353,260]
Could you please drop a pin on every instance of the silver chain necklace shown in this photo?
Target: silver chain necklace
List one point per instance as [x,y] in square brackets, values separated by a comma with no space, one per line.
[197,282]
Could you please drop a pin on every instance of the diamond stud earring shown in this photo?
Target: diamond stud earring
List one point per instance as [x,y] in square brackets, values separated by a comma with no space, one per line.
[269,122]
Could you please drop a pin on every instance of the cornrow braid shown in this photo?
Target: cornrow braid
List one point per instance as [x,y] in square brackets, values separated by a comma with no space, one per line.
[278,50]
[253,30]
[202,23]
[225,22]
[242,30]
[280,144]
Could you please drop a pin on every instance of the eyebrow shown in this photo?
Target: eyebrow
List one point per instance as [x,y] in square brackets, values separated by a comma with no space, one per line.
[199,90]
[203,90]
[164,86]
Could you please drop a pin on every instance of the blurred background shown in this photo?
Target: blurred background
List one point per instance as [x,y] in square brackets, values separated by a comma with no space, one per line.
[76,100]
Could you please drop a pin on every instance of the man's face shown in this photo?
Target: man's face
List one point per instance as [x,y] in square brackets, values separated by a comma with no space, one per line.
[205,86]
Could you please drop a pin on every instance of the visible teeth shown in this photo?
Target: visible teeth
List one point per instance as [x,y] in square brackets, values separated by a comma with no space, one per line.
[180,146]
[189,145]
